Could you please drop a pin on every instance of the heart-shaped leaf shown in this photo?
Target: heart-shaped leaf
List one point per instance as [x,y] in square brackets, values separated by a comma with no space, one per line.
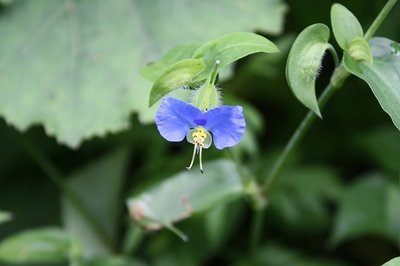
[304,62]
[73,66]
[383,76]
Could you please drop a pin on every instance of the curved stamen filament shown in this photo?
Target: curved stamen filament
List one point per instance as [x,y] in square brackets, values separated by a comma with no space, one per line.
[194,155]
[201,164]
[201,139]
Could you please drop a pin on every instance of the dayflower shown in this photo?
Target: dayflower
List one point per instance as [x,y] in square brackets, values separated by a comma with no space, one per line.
[176,119]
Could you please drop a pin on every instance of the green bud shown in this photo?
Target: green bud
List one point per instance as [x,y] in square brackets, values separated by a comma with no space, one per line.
[359,50]
[207,96]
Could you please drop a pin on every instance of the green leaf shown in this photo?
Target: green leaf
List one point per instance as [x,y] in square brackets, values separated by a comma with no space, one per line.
[5,216]
[73,67]
[230,48]
[38,245]
[300,196]
[345,26]
[176,54]
[114,261]
[393,211]
[382,145]
[185,194]
[393,262]
[176,76]
[99,185]
[304,61]
[274,254]
[382,76]
[365,209]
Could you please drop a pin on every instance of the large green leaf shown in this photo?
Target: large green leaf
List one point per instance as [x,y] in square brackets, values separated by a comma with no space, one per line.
[99,186]
[184,194]
[393,262]
[74,65]
[39,245]
[383,75]
[369,206]
[300,196]
[304,61]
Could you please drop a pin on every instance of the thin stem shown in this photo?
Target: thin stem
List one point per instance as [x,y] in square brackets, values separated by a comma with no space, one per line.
[58,179]
[294,141]
[256,231]
[335,56]
[243,173]
[379,19]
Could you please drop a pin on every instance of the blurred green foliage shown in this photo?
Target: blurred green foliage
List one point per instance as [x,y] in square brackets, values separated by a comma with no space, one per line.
[336,203]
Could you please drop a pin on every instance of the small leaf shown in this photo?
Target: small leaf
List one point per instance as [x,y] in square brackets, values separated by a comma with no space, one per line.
[345,26]
[176,76]
[393,262]
[184,194]
[383,76]
[176,54]
[304,62]
[231,47]
[359,50]
[39,245]
[5,217]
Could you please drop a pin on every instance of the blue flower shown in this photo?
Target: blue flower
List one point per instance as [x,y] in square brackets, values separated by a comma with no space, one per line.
[176,119]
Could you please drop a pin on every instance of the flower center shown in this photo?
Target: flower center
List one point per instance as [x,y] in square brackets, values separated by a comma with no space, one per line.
[201,138]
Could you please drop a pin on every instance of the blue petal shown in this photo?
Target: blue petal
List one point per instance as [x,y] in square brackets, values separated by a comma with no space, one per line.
[174,118]
[226,123]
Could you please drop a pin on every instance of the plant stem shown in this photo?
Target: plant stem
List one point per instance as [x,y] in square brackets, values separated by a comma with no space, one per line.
[338,77]
[58,179]
[379,19]
[294,141]
[256,231]
[250,186]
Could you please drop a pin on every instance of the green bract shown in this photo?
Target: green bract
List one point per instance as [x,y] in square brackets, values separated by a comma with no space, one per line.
[345,26]
[382,76]
[304,62]
[207,96]
[189,71]
[359,50]
[176,76]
